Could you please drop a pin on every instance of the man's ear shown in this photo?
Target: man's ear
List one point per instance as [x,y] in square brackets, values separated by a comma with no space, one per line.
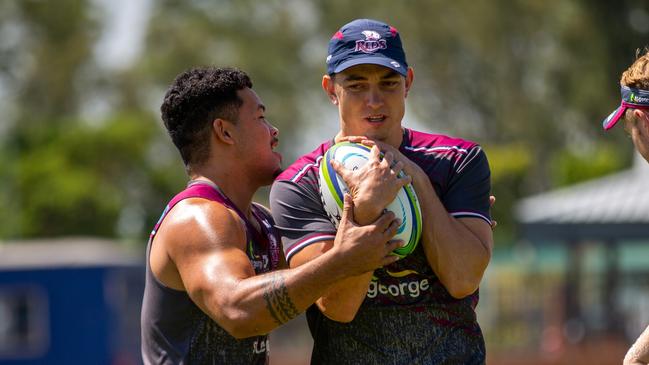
[222,130]
[410,77]
[329,88]
[642,120]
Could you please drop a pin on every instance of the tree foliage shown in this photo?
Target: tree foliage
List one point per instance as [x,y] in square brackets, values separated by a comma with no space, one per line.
[65,173]
[529,80]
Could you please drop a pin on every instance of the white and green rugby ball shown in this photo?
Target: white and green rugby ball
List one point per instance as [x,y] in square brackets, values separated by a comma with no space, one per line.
[332,189]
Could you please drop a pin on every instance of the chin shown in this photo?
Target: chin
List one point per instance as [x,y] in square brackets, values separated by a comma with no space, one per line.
[270,178]
[376,137]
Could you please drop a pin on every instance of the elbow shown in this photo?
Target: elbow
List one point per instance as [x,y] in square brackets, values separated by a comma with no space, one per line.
[463,287]
[461,291]
[340,317]
[345,315]
[236,329]
[240,326]
[467,283]
[231,313]
[239,332]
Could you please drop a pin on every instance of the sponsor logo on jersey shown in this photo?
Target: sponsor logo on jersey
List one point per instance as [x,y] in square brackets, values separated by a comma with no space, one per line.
[409,288]
[372,42]
[260,263]
[260,346]
[274,244]
[399,274]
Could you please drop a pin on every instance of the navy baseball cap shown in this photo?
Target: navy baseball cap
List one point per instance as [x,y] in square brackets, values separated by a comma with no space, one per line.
[366,41]
[631,99]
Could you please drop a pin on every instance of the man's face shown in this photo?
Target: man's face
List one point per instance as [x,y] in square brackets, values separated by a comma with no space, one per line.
[637,127]
[258,138]
[370,100]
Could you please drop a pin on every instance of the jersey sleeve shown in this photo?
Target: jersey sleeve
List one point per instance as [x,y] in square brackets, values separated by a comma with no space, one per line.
[299,216]
[469,186]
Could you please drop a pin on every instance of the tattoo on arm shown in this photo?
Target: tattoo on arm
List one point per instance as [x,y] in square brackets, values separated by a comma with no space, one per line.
[278,301]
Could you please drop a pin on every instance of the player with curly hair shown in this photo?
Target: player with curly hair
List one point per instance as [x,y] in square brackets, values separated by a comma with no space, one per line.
[216,277]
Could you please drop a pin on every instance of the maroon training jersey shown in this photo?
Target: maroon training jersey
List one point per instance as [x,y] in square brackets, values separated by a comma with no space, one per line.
[177,331]
[408,316]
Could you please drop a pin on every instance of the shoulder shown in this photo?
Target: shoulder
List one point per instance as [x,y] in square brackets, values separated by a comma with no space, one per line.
[436,143]
[198,222]
[304,164]
[458,151]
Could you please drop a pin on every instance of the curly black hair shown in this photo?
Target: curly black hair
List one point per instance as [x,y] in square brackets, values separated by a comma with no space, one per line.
[195,98]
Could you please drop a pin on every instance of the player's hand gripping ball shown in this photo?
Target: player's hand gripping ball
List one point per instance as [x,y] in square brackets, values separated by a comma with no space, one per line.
[332,189]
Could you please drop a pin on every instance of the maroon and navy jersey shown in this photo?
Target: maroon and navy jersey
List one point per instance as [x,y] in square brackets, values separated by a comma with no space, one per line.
[407,316]
[177,331]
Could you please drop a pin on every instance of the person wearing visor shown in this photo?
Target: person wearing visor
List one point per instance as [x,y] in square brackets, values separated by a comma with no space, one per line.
[420,309]
[634,113]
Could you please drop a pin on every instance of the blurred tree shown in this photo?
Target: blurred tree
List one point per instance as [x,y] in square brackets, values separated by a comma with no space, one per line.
[63,173]
[531,81]
[269,40]
[44,46]
[528,80]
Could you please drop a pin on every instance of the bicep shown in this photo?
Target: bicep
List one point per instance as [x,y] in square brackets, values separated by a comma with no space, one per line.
[210,253]
[214,272]
[481,230]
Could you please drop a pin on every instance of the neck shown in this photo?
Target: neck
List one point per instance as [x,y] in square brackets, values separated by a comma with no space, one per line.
[232,185]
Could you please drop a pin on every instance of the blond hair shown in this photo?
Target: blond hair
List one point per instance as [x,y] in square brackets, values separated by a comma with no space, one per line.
[637,75]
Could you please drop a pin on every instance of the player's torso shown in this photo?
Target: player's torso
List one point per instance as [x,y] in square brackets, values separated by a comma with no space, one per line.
[182,330]
[406,310]
[211,344]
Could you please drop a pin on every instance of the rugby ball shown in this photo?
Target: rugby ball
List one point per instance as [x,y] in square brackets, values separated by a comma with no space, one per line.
[332,189]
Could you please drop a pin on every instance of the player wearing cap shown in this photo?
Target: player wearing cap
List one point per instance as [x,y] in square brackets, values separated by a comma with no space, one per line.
[421,309]
[634,112]
[213,286]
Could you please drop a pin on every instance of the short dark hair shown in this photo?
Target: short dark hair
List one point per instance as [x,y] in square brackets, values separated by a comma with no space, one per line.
[195,98]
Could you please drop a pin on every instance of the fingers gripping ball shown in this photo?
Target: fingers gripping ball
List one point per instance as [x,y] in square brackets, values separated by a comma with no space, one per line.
[332,189]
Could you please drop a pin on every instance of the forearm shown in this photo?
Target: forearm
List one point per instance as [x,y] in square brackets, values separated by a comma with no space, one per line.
[344,298]
[457,255]
[258,304]
[639,352]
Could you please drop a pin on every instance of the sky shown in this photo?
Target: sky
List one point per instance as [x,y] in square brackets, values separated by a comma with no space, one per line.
[123,37]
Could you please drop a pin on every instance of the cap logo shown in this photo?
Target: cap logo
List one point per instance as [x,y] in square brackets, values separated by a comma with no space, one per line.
[371,43]
[371,35]
[638,99]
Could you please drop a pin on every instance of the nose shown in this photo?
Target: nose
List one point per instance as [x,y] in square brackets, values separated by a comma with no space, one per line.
[274,132]
[374,98]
